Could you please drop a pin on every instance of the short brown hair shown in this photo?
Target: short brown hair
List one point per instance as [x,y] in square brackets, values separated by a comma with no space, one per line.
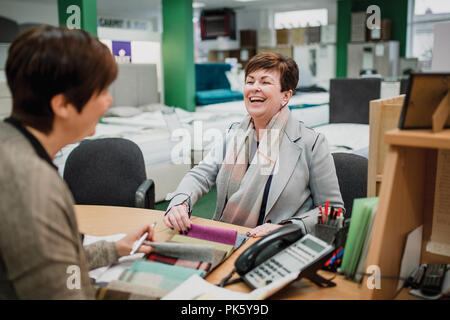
[286,66]
[45,61]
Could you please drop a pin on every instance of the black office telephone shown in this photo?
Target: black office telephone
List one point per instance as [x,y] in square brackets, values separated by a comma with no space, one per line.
[268,246]
[281,252]
[428,278]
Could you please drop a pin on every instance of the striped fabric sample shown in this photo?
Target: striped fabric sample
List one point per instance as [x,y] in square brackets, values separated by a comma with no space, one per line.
[193,252]
[217,245]
[199,265]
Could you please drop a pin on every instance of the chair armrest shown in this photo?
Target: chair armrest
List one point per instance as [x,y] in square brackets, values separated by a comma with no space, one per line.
[145,195]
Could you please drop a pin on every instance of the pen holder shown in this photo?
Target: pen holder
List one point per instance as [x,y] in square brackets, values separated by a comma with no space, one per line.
[333,234]
[326,233]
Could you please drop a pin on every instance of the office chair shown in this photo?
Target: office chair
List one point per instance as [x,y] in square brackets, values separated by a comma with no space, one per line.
[9,30]
[350,98]
[351,171]
[109,171]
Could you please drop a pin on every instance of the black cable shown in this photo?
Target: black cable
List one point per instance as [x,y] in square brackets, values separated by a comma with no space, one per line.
[406,283]
[225,281]
[382,276]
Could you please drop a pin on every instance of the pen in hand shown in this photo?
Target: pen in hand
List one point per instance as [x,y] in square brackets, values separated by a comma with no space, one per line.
[139,242]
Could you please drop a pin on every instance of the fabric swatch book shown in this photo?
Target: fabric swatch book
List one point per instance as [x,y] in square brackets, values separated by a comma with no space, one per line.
[225,236]
[194,252]
[158,275]
[169,264]
[226,248]
[362,212]
[121,290]
[221,239]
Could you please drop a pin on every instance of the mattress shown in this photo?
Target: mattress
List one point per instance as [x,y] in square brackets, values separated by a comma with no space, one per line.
[346,137]
[158,144]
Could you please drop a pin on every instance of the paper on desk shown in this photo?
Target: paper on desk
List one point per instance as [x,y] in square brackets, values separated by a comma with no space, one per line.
[411,255]
[111,272]
[110,238]
[196,288]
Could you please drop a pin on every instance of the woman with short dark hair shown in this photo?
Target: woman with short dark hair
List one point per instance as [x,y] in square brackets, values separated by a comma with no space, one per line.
[59,81]
[275,170]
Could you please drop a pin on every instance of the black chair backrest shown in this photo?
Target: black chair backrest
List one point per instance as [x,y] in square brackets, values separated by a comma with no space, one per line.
[9,30]
[105,172]
[349,99]
[351,171]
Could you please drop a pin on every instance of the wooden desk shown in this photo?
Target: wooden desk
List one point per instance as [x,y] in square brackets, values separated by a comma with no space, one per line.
[104,220]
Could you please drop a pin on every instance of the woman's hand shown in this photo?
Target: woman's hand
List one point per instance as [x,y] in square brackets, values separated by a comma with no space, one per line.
[263,229]
[125,245]
[178,218]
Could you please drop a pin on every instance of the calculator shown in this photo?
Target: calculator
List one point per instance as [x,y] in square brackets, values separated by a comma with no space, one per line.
[299,256]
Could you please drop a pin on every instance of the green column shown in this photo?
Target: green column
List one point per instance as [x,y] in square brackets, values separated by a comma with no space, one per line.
[178,54]
[344,20]
[78,14]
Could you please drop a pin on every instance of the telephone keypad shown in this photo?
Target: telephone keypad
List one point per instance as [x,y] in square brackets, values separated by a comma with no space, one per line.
[295,258]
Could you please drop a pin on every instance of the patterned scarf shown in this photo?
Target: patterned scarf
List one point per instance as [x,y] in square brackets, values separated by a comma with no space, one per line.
[245,187]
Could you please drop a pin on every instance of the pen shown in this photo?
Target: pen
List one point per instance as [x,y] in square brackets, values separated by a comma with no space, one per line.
[326,211]
[138,243]
[321,214]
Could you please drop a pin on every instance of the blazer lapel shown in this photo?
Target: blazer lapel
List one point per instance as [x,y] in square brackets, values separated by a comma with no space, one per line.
[289,155]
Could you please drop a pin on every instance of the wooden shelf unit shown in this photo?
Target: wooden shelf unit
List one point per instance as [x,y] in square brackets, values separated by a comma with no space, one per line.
[384,115]
[406,202]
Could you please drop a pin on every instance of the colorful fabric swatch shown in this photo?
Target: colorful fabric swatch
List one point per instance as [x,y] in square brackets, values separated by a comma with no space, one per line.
[157,275]
[221,235]
[217,245]
[193,252]
[178,273]
[199,265]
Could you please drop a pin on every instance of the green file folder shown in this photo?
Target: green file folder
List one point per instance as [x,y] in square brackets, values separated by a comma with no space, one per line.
[361,215]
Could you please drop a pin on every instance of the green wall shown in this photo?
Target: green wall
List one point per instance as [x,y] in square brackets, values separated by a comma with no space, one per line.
[84,12]
[395,10]
[178,54]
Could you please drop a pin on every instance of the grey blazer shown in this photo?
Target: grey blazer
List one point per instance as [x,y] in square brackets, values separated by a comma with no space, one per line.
[39,238]
[306,179]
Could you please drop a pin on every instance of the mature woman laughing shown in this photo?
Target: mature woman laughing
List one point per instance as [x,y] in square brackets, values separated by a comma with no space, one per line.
[275,169]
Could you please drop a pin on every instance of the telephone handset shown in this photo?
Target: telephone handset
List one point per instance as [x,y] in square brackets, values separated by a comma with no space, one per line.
[282,252]
[267,246]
